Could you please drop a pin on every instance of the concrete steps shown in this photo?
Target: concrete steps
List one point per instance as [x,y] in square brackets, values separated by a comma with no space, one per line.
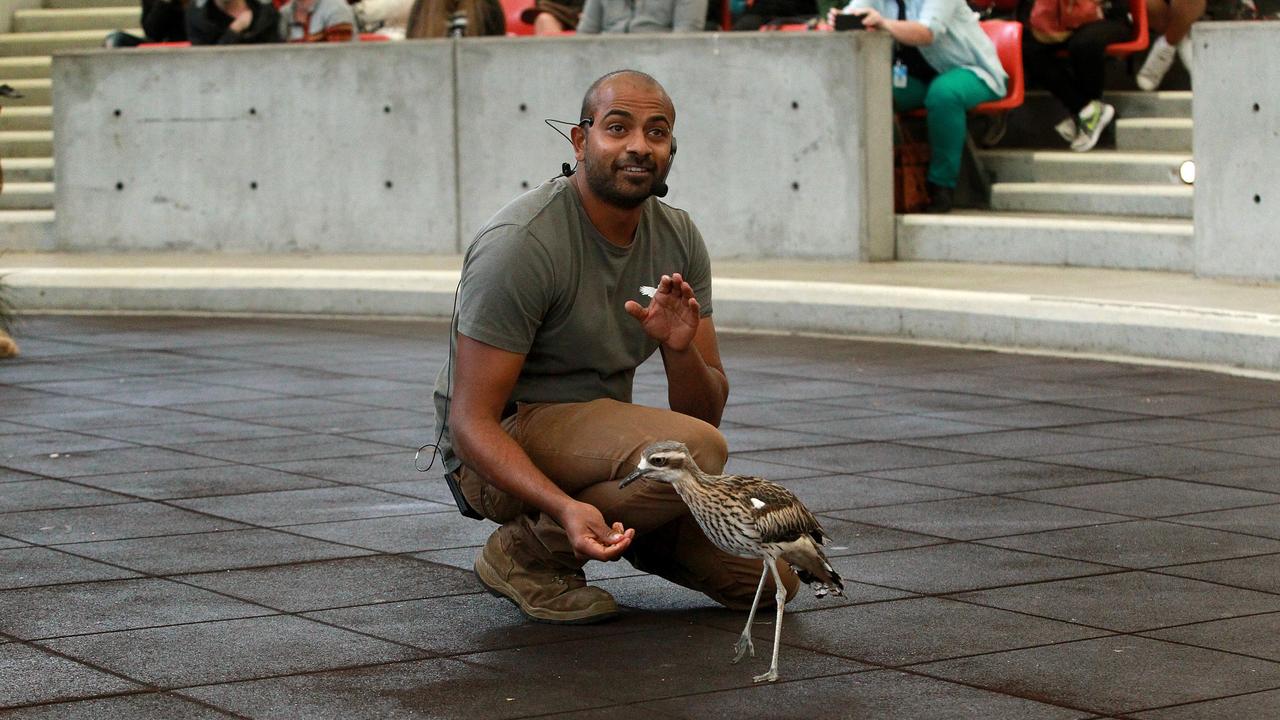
[26,144]
[75,4]
[22,68]
[1066,166]
[27,170]
[93,18]
[47,43]
[26,118]
[1169,103]
[1103,241]
[1092,199]
[1156,134]
[27,196]
[29,230]
[35,92]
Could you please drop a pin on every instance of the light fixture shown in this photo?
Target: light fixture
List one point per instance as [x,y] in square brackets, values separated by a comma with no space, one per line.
[1187,172]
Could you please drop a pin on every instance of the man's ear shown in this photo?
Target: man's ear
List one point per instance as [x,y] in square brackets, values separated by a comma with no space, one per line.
[579,137]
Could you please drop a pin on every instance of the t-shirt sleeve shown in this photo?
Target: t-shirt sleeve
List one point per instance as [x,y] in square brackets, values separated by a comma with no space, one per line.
[935,14]
[506,288]
[698,274]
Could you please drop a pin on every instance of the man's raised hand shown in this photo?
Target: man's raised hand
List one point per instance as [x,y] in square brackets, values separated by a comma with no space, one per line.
[673,313]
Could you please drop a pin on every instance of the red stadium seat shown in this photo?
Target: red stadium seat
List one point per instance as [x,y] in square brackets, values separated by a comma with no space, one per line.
[1007,37]
[174,44]
[1139,41]
[373,37]
[515,23]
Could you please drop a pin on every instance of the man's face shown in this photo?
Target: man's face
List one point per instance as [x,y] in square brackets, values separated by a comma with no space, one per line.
[628,148]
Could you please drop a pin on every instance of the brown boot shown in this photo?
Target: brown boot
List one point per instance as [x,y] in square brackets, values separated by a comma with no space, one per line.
[544,591]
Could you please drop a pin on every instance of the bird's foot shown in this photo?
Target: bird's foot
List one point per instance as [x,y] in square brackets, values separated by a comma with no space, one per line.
[770,676]
[743,647]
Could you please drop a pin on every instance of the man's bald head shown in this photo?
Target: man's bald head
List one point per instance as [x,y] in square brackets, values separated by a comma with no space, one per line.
[591,101]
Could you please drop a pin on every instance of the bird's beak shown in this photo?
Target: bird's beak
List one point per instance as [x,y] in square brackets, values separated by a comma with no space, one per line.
[639,473]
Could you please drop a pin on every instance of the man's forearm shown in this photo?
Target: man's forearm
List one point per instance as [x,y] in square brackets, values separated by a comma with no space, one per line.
[694,388]
[486,448]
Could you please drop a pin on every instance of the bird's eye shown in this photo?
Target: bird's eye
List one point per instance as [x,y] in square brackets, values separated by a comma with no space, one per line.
[658,461]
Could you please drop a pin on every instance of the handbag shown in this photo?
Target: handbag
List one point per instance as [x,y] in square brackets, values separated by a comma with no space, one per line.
[1053,21]
[910,167]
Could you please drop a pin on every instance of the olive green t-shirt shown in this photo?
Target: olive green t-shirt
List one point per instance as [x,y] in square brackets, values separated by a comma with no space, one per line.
[541,281]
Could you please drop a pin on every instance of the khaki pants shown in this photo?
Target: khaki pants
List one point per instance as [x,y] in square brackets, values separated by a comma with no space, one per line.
[585,449]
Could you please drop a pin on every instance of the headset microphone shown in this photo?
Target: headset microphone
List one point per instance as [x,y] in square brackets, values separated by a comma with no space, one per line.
[565,170]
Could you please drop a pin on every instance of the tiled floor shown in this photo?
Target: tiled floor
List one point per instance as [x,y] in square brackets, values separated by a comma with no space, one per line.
[220,518]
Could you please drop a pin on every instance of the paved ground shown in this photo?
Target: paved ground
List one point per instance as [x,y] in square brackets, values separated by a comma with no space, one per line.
[212,518]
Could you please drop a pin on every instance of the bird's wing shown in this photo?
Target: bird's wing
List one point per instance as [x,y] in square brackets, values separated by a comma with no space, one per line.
[778,514]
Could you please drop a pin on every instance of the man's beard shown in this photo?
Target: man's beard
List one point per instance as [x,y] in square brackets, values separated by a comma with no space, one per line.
[612,189]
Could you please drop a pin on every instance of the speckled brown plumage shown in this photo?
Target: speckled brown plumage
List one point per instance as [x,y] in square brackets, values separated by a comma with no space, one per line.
[748,517]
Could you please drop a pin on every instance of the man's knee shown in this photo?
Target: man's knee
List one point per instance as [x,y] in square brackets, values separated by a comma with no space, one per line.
[708,446]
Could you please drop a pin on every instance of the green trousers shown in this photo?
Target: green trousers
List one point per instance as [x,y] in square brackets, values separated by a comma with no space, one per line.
[947,99]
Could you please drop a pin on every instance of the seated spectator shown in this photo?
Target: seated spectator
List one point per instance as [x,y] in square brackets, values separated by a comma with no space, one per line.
[232,22]
[1172,19]
[549,17]
[456,18]
[946,64]
[317,21]
[642,16]
[385,17]
[162,21]
[761,12]
[1080,28]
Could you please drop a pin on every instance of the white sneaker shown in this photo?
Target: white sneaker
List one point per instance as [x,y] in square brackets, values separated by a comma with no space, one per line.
[1186,53]
[1094,118]
[1159,60]
[1067,129]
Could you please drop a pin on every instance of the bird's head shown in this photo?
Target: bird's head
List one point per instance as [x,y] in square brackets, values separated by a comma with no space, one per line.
[665,461]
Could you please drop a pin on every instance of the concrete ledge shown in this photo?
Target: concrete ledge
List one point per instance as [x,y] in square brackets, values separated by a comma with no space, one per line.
[1126,316]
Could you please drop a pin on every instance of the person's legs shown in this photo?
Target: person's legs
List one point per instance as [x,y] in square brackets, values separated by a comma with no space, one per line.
[1171,21]
[948,100]
[1044,67]
[1087,53]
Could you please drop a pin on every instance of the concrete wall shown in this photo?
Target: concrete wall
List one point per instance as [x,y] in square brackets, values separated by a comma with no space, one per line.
[257,150]
[784,141]
[1236,112]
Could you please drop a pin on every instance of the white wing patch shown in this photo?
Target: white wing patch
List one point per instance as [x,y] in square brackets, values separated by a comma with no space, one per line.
[757,503]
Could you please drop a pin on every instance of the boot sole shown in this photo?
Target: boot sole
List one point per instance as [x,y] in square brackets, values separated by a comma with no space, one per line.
[498,587]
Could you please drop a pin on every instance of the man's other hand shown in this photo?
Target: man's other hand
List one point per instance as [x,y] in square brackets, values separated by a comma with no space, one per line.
[673,313]
[591,536]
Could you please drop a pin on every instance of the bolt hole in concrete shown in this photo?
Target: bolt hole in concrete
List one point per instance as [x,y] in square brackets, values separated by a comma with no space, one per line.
[117,112]
[1255,108]
[386,109]
[253,111]
[795,186]
[119,186]
[389,184]
[795,105]
[253,185]
[524,184]
[523,107]
[1257,199]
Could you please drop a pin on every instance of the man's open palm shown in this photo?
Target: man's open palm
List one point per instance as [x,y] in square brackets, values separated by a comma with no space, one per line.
[672,315]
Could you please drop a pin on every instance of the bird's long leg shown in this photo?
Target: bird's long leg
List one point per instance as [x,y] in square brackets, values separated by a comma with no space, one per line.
[781,596]
[744,645]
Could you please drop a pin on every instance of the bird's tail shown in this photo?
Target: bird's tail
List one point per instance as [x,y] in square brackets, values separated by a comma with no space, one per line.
[811,566]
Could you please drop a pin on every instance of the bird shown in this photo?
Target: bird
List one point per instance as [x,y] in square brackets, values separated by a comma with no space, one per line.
[748,517]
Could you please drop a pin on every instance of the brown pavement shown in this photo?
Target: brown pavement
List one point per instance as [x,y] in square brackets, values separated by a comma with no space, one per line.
[206,518]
